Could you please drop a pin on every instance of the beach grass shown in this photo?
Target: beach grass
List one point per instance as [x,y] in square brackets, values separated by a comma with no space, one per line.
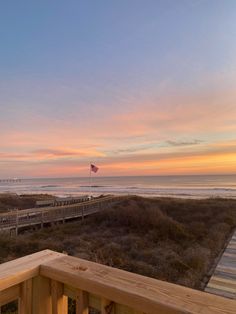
[10,201]
[174,240]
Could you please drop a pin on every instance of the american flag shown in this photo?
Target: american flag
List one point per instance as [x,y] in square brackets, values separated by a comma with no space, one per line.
[93,168]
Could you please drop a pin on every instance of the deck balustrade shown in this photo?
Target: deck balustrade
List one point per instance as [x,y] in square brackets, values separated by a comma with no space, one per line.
[43,281]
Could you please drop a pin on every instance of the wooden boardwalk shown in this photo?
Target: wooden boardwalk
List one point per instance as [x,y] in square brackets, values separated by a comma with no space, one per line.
[39,216]
[223,281]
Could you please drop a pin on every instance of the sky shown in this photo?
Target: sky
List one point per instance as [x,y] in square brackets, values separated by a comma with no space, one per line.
[137,87]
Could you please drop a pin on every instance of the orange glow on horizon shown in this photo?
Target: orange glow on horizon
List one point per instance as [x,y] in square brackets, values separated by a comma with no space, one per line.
[220,163]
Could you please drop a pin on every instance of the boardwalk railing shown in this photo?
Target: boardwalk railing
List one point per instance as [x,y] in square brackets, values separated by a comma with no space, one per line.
[40,216]
[42,283]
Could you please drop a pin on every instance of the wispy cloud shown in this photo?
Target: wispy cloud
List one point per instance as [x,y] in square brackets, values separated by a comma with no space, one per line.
[59,152]
[183,143]
[144,135]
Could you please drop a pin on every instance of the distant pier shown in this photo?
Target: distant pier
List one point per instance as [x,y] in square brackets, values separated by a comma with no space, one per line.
[14,180]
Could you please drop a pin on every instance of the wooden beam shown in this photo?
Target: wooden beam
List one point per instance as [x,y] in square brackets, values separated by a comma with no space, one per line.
[9,294]
[21,269]
[138,292]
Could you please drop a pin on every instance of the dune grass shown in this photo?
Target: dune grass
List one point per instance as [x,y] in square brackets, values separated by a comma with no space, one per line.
[168,239]
[10,201]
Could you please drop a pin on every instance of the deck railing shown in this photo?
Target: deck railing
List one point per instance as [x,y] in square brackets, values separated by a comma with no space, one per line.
[42,283]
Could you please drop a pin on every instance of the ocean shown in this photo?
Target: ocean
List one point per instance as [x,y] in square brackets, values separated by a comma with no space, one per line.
[197,186]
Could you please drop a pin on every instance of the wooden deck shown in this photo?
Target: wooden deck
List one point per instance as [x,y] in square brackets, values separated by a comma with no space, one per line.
[42,283]
[223,281]
[39,216]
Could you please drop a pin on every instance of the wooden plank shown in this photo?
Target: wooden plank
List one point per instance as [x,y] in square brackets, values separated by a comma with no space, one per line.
[138,292]
[231,246]
[224,275]
[229,270]
[219,286]
[41,296]
[223,280]
[59,300]
[9,294]
[25,300]
[230,255]
[21,269]
[220,292]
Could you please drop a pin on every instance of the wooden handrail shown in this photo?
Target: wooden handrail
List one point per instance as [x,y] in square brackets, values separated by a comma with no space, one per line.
[41,209]
[43,281]
[39,216]
[21,269]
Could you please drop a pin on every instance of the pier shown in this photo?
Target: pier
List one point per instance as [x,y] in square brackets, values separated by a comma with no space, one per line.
[14,180]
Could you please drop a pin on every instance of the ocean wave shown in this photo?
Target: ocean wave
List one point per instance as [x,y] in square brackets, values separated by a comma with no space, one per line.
[49,186]
[185,187]
[95,186]
[224,189]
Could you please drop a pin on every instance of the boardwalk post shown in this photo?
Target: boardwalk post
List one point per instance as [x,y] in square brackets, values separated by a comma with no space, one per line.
[42,220]
[82,212]
[63,216]
[17,218]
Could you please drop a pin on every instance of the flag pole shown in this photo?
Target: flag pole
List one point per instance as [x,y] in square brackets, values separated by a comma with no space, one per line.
[90,180]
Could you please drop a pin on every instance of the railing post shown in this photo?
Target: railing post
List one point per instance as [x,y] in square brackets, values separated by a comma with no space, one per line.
[82,302]
[41,296]
[59,301]
[25,300]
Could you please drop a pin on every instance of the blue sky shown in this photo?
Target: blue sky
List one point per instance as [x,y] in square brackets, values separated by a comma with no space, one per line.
[94,78]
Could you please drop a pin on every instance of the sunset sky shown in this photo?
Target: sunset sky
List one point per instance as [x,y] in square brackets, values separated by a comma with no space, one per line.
[137,87]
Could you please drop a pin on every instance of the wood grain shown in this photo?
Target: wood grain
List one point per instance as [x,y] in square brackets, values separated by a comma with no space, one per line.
[223,280]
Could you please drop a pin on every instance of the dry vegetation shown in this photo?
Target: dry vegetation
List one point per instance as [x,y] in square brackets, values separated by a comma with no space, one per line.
[169,239]
[11,201]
